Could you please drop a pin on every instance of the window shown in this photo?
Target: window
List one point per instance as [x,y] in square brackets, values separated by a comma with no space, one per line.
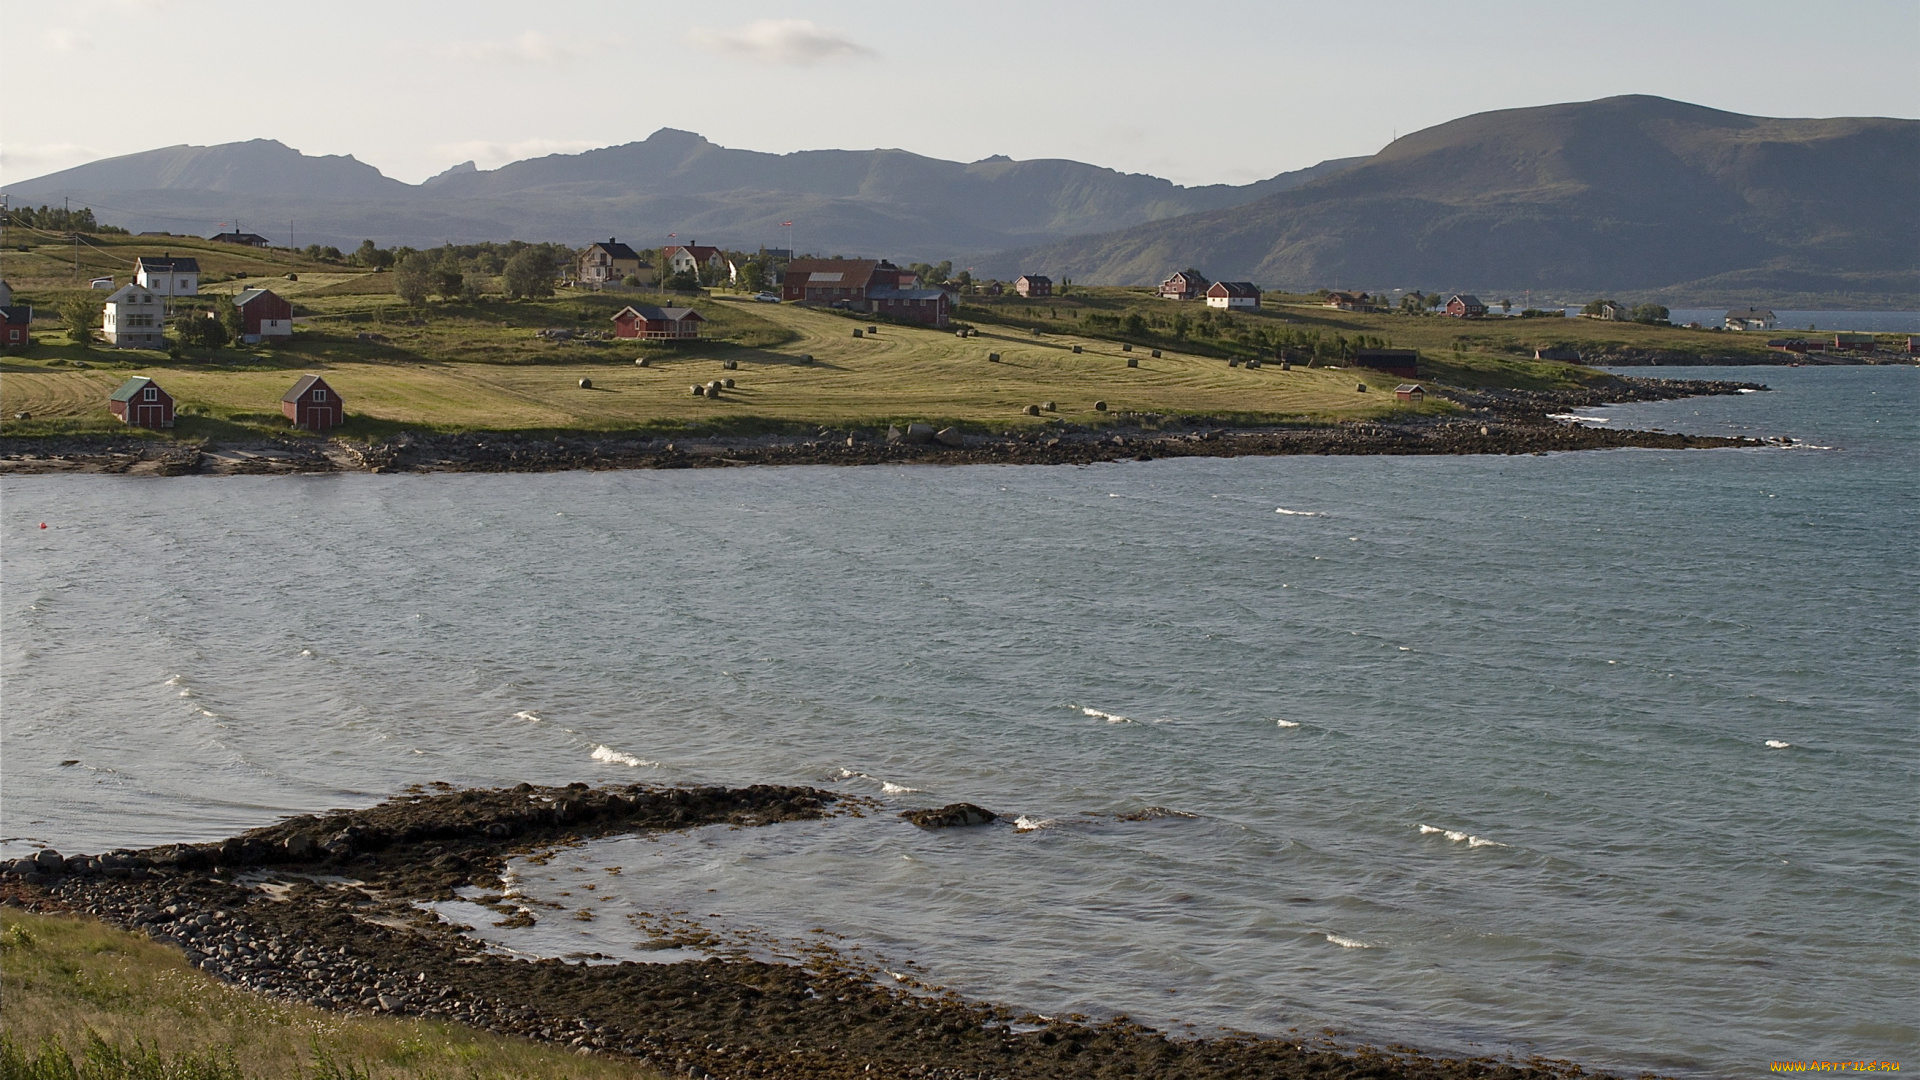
[319,395]
[150,394]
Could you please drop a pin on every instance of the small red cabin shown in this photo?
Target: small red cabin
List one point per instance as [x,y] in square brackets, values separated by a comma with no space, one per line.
[140,401]
[1410,392]
[657,323]
[313,405]
[19,326]
[1465,306]
[264,316]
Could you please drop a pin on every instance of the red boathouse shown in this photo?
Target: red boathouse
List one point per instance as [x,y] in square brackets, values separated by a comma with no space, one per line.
[140,401]
[313,405]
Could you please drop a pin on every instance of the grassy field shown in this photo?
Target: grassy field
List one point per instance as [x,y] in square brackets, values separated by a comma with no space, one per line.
[66,978]
[484,365]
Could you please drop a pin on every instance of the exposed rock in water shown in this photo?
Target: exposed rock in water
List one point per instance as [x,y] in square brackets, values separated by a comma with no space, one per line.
[952,815]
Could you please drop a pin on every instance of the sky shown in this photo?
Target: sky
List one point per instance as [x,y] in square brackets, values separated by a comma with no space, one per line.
[1223,91]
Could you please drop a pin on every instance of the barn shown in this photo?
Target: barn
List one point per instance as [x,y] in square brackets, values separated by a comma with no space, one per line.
[1412,392]
[1033,285]
[313,405]
[657,323]
[1465,306]
[18,321]
[264,316]
[1402,362]
[140,401]
[1233,294]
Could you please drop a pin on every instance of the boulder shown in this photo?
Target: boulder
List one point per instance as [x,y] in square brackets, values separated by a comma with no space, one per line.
[919,434]
[950,816]
[949,436]
[893,433]
[49,861]
[299,846]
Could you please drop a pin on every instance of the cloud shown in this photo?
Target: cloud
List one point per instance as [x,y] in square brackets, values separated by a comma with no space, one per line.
[798,42]
[61,40]
[528,47]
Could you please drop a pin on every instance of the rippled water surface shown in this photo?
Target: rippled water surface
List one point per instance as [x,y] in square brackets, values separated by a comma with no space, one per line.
[1603,755]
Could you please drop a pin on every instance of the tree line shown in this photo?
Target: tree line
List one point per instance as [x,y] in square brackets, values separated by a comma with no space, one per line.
[60,219]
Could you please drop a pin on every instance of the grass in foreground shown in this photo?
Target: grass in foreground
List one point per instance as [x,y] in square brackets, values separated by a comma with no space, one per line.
[116,1006]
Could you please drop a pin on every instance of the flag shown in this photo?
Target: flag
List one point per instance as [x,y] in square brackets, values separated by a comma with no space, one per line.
[788,224]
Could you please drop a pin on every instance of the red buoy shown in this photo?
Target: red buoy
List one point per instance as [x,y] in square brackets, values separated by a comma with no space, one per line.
[43,524]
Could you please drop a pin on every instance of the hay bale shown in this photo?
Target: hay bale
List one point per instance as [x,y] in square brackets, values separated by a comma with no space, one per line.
[1362,388]
[639,361]
[1233,361]
[1156,354]
[1031,410]
[805,358]
[1049,406]
[730,365]
[1076,348]
[1254,363]
[857,333]
[873,329]
[1285,366]
[993,358]
[1099,406]
[1126,348]
[698,391]
[1133,361]
[728,383]
[586,384]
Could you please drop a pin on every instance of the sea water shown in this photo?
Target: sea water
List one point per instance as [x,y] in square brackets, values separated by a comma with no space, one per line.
[1604,755]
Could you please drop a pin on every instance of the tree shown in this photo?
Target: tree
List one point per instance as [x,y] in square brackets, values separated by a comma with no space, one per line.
[81,314]
[231,319]
[413,279]
[372,255]
[965,281]
[1506,307]
[202,329]
[753,276]
[684,281]
[528,273]
[447,282]
[1135,324]
[1650,313]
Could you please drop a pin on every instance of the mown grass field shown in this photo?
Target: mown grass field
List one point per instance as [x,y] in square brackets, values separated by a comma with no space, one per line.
[64,978]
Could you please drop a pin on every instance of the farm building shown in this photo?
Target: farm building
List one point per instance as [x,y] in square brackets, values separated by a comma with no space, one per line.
[1465,306]
[313,405]
[1854,343]
[1233,294]
[657,323]
[18,325]
[167,275]
[1751,318]
[140,401]
[105,283]
[1913,346]
[929,307]
[1402,362]
[1413,392]
[135,318]
[681,258]
[1349,301]
[245,239]
[1565,353]
[264,316]
[1032,285]
[1185,285]
[1792,345]
[613,262]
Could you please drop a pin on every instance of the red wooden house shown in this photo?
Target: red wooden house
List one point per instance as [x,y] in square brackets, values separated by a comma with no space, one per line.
[18,323]
[1854,343]
[264,316]
[140,401]
[1032,285]
[1185,285]
[1465,306]
[313,405]
[657,323]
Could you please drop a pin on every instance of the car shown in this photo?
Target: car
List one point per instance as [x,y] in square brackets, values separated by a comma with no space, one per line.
[766,298]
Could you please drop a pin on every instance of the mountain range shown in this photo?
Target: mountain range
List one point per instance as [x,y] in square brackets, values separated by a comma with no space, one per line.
[1638,196]
[868,201]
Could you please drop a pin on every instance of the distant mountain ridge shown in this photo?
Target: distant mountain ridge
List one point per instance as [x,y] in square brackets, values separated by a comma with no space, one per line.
[1630,194]
[887,202]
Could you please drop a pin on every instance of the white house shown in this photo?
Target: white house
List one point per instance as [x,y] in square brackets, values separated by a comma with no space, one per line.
[167,275]
[684,257]
[1750,319]
[1233,294]
[135,318]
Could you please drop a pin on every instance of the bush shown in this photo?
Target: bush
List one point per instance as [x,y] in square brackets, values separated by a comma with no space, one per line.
[528,273]
[81,315]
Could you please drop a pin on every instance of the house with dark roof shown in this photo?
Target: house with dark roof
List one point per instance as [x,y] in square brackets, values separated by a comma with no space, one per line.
[134,317]
[1751,318]
[264,316]
[873,286]
[140,401]
[1185,285]
[929,307]
[167,275]
[245,239]
[613,262]
[657,323]
[1465,306]
[1233,294]
[708,261]
[1032,285]
[313,405]
[1349,301]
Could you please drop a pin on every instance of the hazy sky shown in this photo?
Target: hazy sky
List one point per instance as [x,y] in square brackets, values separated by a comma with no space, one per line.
[1205,92]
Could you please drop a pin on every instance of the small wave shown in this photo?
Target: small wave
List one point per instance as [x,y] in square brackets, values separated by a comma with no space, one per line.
[172,680]
[529,716]
[1023,823]
[1297,513]
[1746,390]
[1778,744]
[1346,942]
[1459,837]
[614,757]
[1111,718]
[1576,418]
[891,788]
[306,652]
[1288,723]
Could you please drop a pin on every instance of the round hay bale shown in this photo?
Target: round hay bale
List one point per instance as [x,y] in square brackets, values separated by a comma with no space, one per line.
[640,361]
[23,416]
[993,358]
[806,358]
[1031,410]
[1361,388]
[1099,406]
[960,333]
[1133,361]
[1233,361]
[1049,406]
[1253,363]
[730,365]
[698,391]
[586,384]
[728,383]
[1156,354]
[857,333]
[1076,348]
[1285,366]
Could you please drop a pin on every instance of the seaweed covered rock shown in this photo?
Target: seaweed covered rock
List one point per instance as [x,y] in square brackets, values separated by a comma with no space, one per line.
[952,815]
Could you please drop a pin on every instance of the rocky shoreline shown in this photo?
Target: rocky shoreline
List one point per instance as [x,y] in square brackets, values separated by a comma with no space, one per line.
[1489,422]
[326,910]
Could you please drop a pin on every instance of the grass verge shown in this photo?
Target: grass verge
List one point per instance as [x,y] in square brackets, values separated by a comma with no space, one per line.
[84,1001]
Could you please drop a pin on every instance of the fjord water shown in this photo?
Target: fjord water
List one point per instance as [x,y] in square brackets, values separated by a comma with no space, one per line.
[1601,755]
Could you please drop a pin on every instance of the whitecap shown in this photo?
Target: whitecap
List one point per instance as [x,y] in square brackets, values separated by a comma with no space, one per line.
[1746,390]
[1459,837]
[172,680]
[614,757]
[1346,942]
[1111,718]
[1778,744]
[891,788]
[1023,823]
[1288,723]
[306,652]
[1297,513]
[529,716]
